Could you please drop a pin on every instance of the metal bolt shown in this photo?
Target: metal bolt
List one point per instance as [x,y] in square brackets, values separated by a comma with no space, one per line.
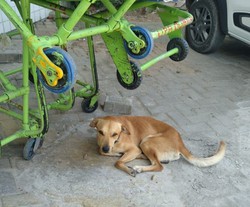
[49,73]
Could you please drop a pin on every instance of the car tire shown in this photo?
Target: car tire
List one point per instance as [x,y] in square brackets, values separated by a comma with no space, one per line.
[204,35]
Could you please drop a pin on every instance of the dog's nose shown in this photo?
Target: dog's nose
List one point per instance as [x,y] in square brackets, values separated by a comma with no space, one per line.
[105,149]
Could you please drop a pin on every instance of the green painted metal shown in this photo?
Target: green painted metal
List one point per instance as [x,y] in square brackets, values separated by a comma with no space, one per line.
[6,82]
[158,58]
[30,127]
[25,14]
[170,18]
[67,28]
[63,103]
[119,55]
[110,7]
[110,24]
[92,62]
[12,72]
[11,113]
[9,95]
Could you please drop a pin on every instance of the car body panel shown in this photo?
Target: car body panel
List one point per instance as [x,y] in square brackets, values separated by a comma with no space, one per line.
[238,16]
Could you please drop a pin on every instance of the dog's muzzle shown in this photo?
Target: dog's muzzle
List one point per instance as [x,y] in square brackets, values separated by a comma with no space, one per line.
[105,149]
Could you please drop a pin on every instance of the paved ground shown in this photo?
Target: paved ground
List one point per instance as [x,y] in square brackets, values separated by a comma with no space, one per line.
[206,97]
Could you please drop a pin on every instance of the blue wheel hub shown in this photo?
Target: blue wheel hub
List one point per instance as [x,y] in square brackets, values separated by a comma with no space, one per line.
[144,35]
[66,64]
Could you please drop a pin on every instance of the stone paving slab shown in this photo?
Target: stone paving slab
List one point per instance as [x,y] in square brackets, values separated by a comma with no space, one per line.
[7,183]
[25,199]
[206,97]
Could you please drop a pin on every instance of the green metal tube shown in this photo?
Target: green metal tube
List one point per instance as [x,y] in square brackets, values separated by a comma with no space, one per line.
[9,95]
[59,23]
[175,14]
[17,3]
[65,29]
[114,21]
[109,6]
[4,97]
[11,113]
[12,72]
[13,33]
[92,58]
[59,104]
[77,14]
[84,92]
[89,32]
[19,134]
[187,18]
[25,5]
[123,9]
[10,138]
[159,58]
[59,20]
[6,83]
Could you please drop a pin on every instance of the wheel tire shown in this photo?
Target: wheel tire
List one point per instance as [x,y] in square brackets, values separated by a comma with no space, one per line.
[137,77]
[28,150]
[146,36]
[69,71]
[182,46]
[31,146]
[86,106]
[204,34]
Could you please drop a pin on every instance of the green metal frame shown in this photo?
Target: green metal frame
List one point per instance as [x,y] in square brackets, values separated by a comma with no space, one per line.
[110,24]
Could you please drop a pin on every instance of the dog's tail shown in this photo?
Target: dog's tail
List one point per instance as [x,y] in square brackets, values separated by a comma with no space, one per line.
[207,161]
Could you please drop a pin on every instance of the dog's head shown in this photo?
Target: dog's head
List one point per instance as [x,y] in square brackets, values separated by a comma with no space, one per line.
[109,132]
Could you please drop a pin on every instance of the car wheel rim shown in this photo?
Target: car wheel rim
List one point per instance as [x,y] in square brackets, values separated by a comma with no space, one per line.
[200,29]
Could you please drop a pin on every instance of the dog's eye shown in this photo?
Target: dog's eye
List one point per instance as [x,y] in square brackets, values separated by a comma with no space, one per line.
[115,134]
[101,132]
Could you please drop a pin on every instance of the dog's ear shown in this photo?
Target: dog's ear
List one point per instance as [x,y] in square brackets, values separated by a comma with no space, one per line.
[94,122]
[125,130]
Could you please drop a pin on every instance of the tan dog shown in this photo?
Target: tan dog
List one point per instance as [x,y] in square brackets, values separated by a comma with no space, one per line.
[134,137]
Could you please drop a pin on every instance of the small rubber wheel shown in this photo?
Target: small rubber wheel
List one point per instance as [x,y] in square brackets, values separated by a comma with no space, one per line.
[40,143]
[31,146]
[182,46]
[66,64]
[86,106]
[137,77]
[204,35]
[28,150]
[144,35]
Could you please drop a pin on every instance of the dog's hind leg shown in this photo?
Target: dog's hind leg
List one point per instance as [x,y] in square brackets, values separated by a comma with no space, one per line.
[142,156]
[155,166]
[151,154]
[127,157]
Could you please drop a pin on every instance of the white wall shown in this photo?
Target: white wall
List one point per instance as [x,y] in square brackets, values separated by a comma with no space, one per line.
[37,13]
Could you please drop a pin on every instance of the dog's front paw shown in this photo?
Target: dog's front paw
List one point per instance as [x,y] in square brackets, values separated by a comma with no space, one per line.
[132,171]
